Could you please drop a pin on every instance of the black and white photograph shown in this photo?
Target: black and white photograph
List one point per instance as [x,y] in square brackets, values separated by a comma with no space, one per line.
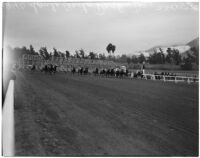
[100,79]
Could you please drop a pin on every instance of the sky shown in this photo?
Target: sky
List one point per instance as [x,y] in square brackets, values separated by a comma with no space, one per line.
[130,26]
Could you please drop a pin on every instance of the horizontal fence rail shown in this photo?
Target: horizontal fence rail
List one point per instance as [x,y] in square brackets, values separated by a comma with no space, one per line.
[171,78]
[8,133]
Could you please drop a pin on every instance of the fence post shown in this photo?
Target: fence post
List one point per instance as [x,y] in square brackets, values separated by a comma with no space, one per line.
[188,81]
[8,133]
[164,78]
[152,77]
[175,80]
[145,76]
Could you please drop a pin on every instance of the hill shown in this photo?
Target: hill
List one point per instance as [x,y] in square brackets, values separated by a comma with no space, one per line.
[191,44]
[182,48]
[194,43]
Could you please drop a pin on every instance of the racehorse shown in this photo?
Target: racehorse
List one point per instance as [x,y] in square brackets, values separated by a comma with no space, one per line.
[80,71]
[102,72]
[44,69]
[107,73]
[73,70]
[33,68]
[112,72]
[139,74]
[49,68]
[85,72]
[96,72]
[117,72]
[54,69]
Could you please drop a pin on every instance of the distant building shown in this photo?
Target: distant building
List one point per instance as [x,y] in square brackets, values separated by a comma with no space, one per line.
[28,59]
[38,61]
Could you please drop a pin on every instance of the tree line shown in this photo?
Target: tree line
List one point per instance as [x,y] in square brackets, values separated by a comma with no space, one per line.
[173,56]
[17,52]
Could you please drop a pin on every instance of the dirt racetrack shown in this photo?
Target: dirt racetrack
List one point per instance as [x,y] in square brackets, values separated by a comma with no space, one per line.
[64,115]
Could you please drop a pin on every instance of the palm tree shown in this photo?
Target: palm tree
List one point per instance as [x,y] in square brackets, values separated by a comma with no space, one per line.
[32,51]
[44,53]
[82,53]
[109,48]
[55,52]
[113,48]
[67,54]
[77,54]
[92,55]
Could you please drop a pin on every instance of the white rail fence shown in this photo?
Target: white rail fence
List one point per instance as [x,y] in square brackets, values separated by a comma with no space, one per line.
[8,132]
[171,78]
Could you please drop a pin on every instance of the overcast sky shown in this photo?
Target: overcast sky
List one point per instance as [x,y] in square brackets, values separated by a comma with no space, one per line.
[92,26]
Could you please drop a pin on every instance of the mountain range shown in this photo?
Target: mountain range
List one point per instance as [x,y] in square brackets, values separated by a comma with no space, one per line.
[183,48]
[194,43]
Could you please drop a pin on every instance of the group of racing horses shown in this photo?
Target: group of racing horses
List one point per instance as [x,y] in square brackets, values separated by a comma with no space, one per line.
[109,72]
[112,72]
[47,69]
[50,68]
